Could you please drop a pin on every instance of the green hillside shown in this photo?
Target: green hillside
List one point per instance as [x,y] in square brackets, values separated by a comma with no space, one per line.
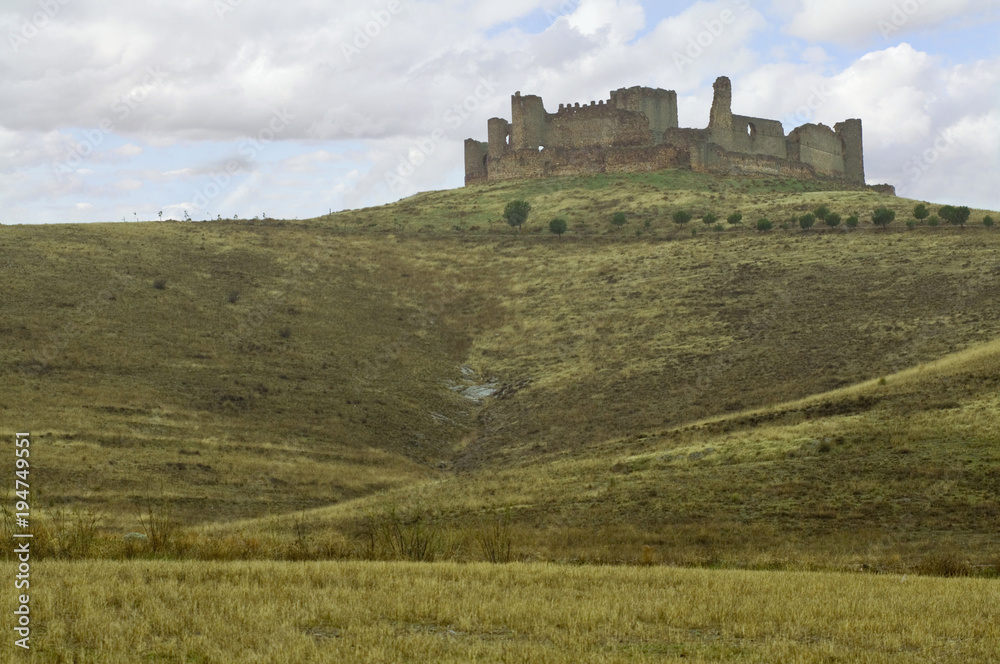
[232,374]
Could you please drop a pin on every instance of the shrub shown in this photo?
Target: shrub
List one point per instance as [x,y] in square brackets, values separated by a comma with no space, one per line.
[718,228]
[618,219]
[557,226]
[920,212]
[708,218]
[988,221]
[735,218]
[681,217]
[807,220]
[832,220]
[852,221]
[285,332]
[233,297]
[516,213]
[883,216]
[933,220]
[764,225]
[956,216]
[495,539]
[911,224]
[159,284]
[821,212]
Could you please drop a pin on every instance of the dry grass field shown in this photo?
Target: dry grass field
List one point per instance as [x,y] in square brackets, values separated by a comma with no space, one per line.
[260,396]
[216,613]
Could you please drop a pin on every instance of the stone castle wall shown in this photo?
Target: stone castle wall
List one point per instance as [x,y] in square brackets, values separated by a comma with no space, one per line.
[637,130]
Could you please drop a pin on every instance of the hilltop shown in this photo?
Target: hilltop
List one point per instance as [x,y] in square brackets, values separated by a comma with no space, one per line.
[643,376]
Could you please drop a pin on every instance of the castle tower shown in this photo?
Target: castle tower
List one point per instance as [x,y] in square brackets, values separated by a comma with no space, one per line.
[849,132]
[528,122]
[720,118]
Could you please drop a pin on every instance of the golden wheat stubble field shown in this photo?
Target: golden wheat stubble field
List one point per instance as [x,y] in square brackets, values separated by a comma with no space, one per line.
[242,376]
[114,612]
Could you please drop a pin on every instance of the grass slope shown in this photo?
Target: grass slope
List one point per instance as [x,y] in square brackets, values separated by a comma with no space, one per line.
[282,366]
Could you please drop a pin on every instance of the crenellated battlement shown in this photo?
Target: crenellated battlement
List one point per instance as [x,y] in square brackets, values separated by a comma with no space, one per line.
[636,129]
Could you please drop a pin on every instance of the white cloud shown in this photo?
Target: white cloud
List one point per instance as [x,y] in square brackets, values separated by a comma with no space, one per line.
[83,207]
[856,22]
[129,150]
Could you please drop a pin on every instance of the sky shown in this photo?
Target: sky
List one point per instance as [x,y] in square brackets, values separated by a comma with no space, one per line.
[117,110]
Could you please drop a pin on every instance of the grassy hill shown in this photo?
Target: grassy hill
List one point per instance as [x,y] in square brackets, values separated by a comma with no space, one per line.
[286,385]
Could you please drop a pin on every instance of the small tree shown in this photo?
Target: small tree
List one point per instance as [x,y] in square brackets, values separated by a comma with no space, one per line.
[708,218]
[557,226]
[764,225]
[920,212]
[832,220]
[735,218]
[516,213]
[852,221]
[956,216]
[807,220]
[988,221]
[821,212]
[933,220]
[681,217]
[883,216]
[618,219]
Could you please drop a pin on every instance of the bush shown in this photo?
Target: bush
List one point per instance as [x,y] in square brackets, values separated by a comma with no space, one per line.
[618,219]
[832,220]
[911,224]
[764,225]
[920,212]
[285,332]
[933,220]
[495,539]
[807,220]
[821,212]
[159,284]
[557,226]
[883,216]
[988,221]
[718,228]
[956,216]
[516,213]
[708,218]
[852,221]
[233,297]
[735,218]
[681,217]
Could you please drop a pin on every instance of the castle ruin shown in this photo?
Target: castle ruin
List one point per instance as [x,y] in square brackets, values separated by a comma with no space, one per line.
[637,130]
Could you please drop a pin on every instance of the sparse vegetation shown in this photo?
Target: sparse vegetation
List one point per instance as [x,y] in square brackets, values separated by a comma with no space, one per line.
[657,402]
